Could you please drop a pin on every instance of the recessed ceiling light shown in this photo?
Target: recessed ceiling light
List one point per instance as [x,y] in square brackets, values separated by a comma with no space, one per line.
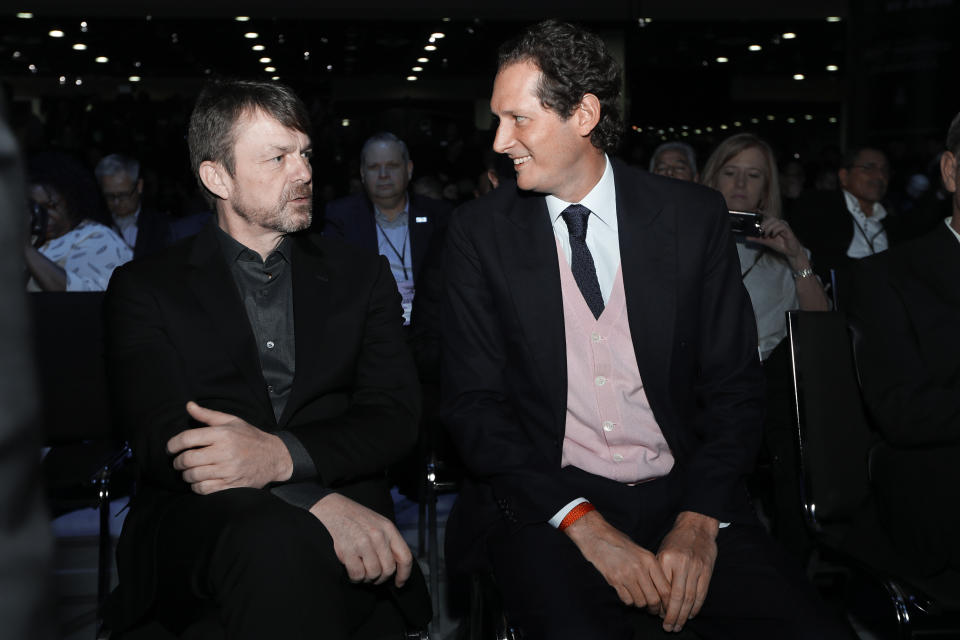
[771,118]
[832,67]
[791,120]
[833,18]
[437,35]
[306,55]
[83,26]
[134,78]
[430,47]
[416,69]
[789,35]
[724,127]
[63,79]
[242,18]
[423,60]
[250,35]
[755,120]
[275,78]
[329,67]
[709,129]
[411,78]
[78,81]
[684,134]
[269,69]
[32,67]
[832,119]
[345,122]
[258,47]
[24,15]
[445,19]
[266,60]
[754,47]
[807,116]
[798,76]
[737,123]
[55,33]
[722,59]
[16,55]
[79,46]
[102,59]
[697,131]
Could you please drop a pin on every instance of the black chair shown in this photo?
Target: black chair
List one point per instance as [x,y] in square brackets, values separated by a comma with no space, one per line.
[86,452]
[836,444]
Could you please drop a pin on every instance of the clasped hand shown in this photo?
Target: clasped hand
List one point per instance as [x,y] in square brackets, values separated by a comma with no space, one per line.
[227,453]
[673,583]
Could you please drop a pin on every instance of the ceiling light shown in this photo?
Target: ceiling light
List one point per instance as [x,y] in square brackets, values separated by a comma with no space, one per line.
[56,33]
[833,18]
[63,79]
[32,67]
[791,120]
[722,59]
[250,35]
[258,47]
[134,78]
[329,67]
[24,15]
[697,131]
[269,69]
[755,120]
[798,76]
[102,59]
[807,117]
[754,47]
[266,60]
[411,78]
[78,81]
[423,60]
[306,55]
[137,64]
[242,18]
[737,123]
[345,122]
[430,47]
[83,26]
[789,35]
[771,118]
[832,67]
[832,119]
[445,19]
[724,127]
[648,20]
[684,134]
[79,47]
[709,129]
[437,35]
[418,69]
[275,78]
[16,55]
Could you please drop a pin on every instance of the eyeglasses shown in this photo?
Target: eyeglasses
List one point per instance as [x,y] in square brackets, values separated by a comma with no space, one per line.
[872,168]
[120,197]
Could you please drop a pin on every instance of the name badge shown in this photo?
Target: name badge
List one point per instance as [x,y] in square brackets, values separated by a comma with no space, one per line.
[421,218]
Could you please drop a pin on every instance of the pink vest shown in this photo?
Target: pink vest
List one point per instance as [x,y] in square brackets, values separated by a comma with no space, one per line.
[610,430]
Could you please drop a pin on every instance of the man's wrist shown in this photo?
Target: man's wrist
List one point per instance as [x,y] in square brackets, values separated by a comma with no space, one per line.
[284,461]
[694,520]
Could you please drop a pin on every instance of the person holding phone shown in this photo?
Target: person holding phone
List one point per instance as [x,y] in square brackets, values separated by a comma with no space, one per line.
[778,276]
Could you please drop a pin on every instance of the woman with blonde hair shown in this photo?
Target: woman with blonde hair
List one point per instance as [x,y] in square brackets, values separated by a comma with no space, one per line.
[777,274]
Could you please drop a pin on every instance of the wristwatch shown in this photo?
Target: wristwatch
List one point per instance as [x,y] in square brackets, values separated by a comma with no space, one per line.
[803,273]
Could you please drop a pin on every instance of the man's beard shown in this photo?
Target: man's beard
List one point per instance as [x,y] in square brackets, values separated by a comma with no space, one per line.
[283,218]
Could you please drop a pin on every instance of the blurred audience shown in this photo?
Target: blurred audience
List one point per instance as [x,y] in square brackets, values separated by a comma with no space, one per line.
[72,248]
[145,230]
[905,304]
[675,160]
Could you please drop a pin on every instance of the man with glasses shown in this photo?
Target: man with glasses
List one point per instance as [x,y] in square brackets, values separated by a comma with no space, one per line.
[841,228]
[144,230]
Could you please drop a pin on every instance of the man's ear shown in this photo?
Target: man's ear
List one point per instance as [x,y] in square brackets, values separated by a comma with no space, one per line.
[409,170]
[140,185]
[214,178]
[587,114]
[948,170]
[842,177]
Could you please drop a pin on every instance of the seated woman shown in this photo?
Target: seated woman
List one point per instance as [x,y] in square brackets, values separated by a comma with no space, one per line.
[777,274]
[71,250]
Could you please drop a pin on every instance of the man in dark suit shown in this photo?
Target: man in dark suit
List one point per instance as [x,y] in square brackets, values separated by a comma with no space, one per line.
[145,230]
[604,388]
[906,306]
[266,386]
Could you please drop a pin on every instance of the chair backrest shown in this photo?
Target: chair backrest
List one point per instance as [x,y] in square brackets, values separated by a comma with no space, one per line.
[833,432]
[68,339]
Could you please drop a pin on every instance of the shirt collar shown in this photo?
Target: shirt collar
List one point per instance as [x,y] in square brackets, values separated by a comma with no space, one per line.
[601,200]
[400,220]
[233,251]
[949,222]
[127,221]
[853,206]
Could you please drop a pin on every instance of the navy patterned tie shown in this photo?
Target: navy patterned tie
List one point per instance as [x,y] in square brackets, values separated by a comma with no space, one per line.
[581,263]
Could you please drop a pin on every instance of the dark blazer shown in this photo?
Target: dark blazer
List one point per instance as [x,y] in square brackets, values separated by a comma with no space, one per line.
[905,305]
[176,330]
[505,367]
[153,232]
[352,219]
[823,225]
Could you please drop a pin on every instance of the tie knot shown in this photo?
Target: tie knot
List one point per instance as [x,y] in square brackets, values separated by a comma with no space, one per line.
[576,216]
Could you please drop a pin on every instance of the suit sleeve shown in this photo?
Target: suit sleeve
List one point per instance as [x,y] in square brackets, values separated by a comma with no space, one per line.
[478,404]
[909,403]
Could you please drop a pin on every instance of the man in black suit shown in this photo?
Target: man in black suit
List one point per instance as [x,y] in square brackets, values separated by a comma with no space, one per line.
[266,386]
[906,306]
[145,230]
[541,371]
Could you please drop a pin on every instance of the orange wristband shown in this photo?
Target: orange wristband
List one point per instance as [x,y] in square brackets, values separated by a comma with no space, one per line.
[575,514]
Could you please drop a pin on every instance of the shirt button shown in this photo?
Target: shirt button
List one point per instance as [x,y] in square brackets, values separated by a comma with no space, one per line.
[608,426]
[600,380]
[270,388]
[270,344]
[617,457]
[595,337]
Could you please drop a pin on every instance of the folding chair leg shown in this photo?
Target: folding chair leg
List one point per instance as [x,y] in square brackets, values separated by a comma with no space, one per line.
[103,558]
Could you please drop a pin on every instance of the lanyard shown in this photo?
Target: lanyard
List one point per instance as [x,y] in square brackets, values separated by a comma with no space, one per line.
[401,255]
[869,240]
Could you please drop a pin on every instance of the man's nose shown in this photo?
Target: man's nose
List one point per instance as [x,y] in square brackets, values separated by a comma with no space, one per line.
[503,140]
[303,170]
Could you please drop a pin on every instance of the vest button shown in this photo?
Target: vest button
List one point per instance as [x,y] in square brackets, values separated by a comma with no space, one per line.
[617,457]
[595,337]
[600,380]
[608,426]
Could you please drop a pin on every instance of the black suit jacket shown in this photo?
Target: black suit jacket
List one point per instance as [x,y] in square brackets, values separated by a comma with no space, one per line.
[353,219]
[905,306]
[505,356]
[153,232]
[176,330]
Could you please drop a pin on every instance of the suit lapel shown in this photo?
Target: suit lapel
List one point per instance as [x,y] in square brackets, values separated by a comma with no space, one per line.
[311,294]
[213,285]
[529,257]
[649,263]
[420,233]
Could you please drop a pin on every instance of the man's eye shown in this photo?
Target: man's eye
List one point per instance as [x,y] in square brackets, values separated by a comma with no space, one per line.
[277,159]
[308,154]
[520,118]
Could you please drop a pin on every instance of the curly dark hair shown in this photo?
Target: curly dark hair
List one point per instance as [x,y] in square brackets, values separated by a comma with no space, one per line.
[572,62]
[73,181]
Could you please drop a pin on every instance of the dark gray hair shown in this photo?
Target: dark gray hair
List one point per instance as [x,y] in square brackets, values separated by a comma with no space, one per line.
[682,147]
[953,136]
[384,136]
[116,163]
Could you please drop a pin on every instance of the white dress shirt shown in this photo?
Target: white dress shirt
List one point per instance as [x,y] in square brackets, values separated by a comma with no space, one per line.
[868,234]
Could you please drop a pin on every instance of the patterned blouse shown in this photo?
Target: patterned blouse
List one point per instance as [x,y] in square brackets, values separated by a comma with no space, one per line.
[89,254]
